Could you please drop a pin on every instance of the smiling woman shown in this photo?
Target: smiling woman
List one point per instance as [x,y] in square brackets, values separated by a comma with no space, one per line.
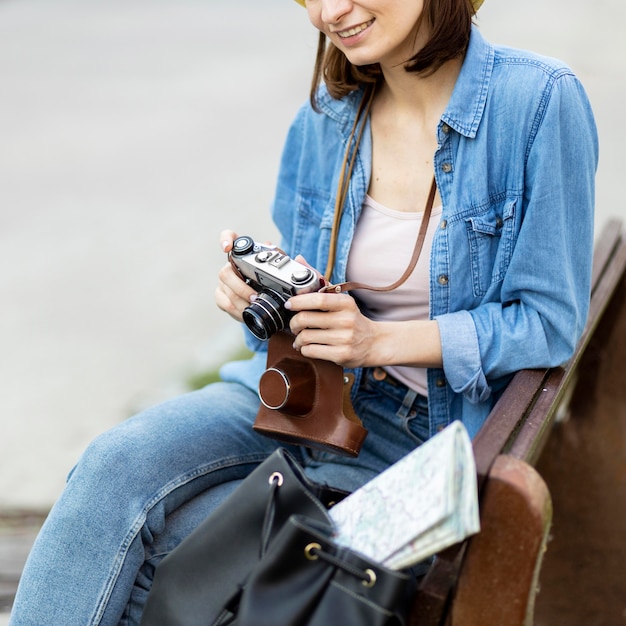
[498,146]
[421,37]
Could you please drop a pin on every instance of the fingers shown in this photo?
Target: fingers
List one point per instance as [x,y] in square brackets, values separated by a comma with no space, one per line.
[344,346]
[226,239]
[316,301]
[329,326]
[321,310]
[232,294]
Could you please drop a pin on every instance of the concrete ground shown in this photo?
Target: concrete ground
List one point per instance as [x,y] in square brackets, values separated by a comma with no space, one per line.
[131,133]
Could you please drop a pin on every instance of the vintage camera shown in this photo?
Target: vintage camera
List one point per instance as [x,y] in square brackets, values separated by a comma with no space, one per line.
[276,277]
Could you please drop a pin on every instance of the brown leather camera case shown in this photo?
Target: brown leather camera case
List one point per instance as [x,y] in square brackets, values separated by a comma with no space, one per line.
[307,401]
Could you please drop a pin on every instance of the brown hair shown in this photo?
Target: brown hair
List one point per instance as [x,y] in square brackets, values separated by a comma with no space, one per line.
[450,23]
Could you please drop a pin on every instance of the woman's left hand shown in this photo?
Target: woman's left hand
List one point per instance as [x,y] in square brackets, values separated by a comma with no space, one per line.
[330,326]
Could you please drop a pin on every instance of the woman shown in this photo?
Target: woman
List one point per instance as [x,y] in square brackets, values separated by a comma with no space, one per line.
[502,284]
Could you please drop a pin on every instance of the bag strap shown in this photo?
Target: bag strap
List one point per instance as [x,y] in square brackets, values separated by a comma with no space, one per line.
[347,167]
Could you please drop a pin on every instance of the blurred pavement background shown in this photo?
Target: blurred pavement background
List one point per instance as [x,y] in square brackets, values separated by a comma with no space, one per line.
[131,133]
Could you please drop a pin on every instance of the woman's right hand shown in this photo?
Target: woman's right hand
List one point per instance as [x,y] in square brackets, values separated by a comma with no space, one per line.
[232,294]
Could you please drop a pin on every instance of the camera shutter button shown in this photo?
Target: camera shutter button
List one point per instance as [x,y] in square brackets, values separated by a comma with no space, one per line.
[266,255]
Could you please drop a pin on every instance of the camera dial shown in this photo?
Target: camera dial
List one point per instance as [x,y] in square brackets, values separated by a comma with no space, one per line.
[243,245]
[302,276]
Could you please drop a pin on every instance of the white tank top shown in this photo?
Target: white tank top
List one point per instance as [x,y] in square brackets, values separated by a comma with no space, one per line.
[381,250]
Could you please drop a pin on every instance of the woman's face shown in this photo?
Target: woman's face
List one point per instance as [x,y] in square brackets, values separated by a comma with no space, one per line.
[370,31]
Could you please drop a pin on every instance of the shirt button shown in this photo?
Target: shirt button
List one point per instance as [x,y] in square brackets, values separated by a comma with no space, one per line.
[444,224]
[447,168]
[499,222]
[440,382]
[443,279]
[445,128]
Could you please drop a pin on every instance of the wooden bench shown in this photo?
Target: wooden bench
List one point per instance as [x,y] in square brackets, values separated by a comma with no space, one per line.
[551,458]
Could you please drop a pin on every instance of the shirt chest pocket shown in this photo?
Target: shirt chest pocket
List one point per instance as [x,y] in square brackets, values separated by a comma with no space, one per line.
[491,239]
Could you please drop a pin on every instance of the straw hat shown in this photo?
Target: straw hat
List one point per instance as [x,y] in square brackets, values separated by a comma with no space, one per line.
[476,3]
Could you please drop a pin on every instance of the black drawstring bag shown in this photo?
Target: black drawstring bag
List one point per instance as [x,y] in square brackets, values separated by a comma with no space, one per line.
[266,556]
[307,579]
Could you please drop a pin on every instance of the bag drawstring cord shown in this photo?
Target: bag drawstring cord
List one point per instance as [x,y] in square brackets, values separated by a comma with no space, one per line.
[275,481]
[314,551]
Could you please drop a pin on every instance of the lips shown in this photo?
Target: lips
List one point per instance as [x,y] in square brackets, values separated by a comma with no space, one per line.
[354,30]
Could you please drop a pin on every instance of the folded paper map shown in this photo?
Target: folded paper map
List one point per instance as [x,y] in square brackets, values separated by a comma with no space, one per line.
[425,502]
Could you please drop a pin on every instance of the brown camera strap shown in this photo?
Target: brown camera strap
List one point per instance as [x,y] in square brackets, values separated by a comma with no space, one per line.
[417,249]
[349,158]
[344,180]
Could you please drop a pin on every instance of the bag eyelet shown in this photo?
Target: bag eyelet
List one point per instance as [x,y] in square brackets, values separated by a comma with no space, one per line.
[277,478]
[309,551]
[371,578]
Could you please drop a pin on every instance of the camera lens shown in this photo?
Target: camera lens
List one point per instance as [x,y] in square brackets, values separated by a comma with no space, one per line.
[266,315]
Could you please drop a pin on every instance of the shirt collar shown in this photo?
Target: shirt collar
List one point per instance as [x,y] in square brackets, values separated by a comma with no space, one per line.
[343,110]
[467,104]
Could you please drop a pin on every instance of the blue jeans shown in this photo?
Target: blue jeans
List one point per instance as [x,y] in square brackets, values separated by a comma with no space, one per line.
[144,485]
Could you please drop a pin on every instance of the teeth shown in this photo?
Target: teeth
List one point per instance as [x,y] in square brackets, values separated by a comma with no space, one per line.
[354,31]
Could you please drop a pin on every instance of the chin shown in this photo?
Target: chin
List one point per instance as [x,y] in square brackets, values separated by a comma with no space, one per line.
[360,59]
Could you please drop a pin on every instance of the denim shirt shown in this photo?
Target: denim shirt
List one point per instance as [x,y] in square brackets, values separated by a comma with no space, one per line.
[510,263]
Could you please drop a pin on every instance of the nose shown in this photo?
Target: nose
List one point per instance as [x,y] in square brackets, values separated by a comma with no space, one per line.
[334,10]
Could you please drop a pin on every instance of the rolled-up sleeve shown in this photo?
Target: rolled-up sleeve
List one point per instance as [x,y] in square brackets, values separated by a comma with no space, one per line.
[461,356]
